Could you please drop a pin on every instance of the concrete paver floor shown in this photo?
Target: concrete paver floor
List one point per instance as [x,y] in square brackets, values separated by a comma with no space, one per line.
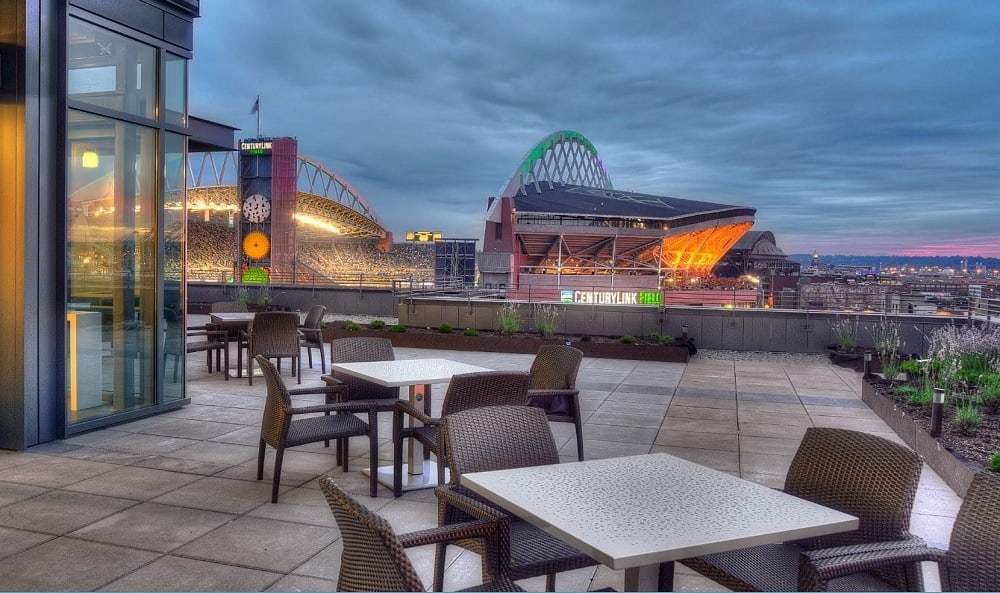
[170,503]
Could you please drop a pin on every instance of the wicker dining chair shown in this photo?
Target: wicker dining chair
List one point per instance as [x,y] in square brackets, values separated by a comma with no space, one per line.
[857,473]
[311,330]
[495,438]
[465,391]
[357,349]
[971,563]
[280,429]
[274,335]
[553,387]
[374,559]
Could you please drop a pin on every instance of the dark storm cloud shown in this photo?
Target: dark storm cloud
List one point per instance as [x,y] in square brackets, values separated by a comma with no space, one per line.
[851,126]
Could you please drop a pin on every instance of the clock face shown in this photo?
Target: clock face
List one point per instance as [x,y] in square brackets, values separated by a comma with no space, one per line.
[256,208]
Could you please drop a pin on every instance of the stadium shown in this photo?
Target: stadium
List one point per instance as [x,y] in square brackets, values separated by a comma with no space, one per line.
[557,223]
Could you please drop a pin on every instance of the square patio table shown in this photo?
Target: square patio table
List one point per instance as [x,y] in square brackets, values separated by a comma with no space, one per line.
[415,374]
[234,323]
[636,512]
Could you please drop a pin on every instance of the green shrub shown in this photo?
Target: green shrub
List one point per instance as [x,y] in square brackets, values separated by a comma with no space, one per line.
[470,332]
[666,338]
[397,328]
[995,465]
[349,325]
[915,396]
[989,392]
[444,328]
[376,324]
[967,417]
[911,366]
[508,318]
[627,339]
[546,318]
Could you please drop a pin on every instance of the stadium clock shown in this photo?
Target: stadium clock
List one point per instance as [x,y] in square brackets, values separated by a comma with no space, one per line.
[256,208]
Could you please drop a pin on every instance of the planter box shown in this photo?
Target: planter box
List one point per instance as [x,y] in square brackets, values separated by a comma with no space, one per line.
[953,468]
[491,343]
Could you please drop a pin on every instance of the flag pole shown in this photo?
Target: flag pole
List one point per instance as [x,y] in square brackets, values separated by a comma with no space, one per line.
[258,116]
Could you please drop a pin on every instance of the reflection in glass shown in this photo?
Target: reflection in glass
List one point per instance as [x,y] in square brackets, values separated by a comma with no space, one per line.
[111,267]
[111,71]
[175,90]
[173,267]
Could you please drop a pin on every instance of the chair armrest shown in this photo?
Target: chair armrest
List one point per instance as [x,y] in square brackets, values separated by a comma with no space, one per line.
[352,407]
[552,393]
[332,381]
[312,331]
[448,495]
[818,567]
[449,533]
[316,390]
[404,407]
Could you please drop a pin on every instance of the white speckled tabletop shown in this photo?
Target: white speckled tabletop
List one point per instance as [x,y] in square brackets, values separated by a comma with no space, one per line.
[643,510]
[407,372]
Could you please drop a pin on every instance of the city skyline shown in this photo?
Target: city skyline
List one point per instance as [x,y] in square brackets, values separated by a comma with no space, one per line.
[852,128]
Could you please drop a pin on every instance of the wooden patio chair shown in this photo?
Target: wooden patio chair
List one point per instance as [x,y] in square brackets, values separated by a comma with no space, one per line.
[311,330]
[971,563]
[857,473]
[280,428]
[374,557]
[553,387]
[494,438]
[465,391]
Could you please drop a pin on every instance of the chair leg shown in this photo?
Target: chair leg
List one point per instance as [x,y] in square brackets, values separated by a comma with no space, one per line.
[440,550]
[260,459]
[250,367]
[297,362]
[578,422]
[373,452]
[309,351]
[280,453]
[345,453]
[397,453]
[322,358]
[550,582]
[225,361]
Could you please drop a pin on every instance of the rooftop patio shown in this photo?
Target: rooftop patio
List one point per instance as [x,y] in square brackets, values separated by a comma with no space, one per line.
[170,503]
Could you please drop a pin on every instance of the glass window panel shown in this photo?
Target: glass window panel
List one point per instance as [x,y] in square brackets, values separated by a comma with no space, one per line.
[175,91]
[111,266]
[173,267]
[110,70]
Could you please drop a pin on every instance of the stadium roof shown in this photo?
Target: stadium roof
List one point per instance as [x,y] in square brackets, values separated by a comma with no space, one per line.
[582,201]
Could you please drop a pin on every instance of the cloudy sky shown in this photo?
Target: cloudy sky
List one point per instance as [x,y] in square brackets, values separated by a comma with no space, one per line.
[852,127]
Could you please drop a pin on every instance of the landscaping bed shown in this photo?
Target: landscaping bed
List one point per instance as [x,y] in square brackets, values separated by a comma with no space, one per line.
[516,342]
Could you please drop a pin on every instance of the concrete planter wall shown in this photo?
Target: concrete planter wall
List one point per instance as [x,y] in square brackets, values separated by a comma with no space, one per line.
[952,467]
[456,341]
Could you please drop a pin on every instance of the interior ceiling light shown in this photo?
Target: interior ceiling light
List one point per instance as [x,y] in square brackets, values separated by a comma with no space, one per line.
[90,160]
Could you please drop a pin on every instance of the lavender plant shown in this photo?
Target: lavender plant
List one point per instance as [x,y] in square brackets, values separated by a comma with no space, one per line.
[508,318]
[846,333]
[546,318]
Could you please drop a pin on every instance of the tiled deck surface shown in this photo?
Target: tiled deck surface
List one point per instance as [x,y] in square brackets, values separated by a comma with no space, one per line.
[170,503]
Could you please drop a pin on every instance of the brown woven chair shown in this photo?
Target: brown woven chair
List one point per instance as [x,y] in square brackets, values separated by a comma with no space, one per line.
[357,349]
[495,438]
[374,559]
[279,429]
[971,563]
[857,473]
[312,335]
[553,387]
[465,391]
[274,335]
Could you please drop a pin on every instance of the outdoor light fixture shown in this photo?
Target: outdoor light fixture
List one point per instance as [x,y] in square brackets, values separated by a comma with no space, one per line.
[684,331]
[90,160]
[937,410]
[868,366]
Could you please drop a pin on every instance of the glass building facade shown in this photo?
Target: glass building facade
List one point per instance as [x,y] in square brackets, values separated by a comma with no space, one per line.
[94,129]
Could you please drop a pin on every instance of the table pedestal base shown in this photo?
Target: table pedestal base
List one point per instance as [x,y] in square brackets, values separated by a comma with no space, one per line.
[650,578]
[411,482]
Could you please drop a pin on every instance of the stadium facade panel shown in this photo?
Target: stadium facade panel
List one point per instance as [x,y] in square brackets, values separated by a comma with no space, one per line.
[566,231]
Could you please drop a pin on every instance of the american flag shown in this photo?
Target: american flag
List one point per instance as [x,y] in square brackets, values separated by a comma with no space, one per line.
[256,106]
